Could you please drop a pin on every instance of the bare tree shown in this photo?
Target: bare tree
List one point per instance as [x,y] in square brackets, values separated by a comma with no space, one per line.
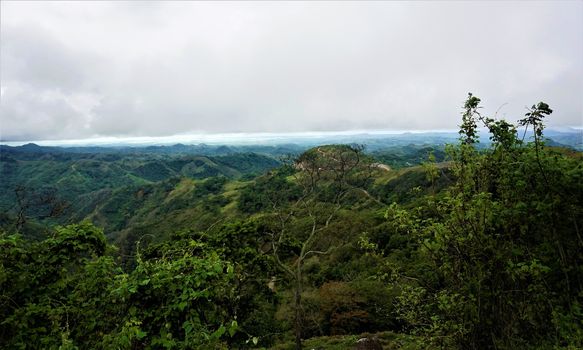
[22,205]
[326,177]
[40,203]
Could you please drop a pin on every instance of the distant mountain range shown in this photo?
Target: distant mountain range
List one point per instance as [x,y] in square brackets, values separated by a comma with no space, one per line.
[270,143]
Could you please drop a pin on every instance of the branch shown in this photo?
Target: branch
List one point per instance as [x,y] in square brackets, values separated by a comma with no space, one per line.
[318,252]
[283,266]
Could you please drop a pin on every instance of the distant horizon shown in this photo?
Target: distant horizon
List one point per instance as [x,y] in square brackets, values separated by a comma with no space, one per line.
[211,138]
[234,138]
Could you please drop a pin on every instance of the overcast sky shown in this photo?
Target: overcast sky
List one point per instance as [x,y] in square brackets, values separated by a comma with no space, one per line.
[71,70]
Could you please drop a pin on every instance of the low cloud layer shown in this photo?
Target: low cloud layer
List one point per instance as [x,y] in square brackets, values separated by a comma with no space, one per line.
[70,70]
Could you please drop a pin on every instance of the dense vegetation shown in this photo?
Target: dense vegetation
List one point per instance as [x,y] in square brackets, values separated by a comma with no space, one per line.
[465,247]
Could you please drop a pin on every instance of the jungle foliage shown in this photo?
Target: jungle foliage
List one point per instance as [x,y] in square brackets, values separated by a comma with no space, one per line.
[463,247]
[503,242]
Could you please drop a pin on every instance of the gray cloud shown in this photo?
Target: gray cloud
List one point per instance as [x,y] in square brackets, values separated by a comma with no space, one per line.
[76,69]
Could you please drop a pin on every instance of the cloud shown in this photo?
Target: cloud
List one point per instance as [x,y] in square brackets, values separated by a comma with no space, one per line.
[74,70]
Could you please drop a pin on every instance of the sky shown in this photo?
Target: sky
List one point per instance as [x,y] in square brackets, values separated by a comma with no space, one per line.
[77,69]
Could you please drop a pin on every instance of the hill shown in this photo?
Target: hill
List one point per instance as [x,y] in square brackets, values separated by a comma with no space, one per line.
[244,251]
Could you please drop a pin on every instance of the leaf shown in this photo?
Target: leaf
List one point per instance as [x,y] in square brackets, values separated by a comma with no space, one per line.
[233,328]
[141,334]
[187,326]
[219,332]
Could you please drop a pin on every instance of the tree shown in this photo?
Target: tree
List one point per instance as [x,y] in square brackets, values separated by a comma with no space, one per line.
[504,242]
[325,181]
[41,203]
[40,283]
[67,292]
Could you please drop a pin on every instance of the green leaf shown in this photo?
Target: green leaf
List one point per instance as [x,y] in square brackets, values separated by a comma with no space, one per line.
[219,332]
[141,334]
[233,328]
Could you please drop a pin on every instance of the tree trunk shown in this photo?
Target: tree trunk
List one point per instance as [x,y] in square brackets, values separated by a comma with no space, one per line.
[298,308]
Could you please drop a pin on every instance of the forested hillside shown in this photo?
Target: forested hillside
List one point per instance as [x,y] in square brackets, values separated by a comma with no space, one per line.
[410,246]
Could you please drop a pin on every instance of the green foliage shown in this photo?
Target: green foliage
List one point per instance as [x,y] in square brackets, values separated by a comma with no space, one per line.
[66,292]
[273,189]
[414,183]
[409,155]
[477,249]
[504,242]
[176,299]
[388,340]
[42,284]
[355,307]
[55,187]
